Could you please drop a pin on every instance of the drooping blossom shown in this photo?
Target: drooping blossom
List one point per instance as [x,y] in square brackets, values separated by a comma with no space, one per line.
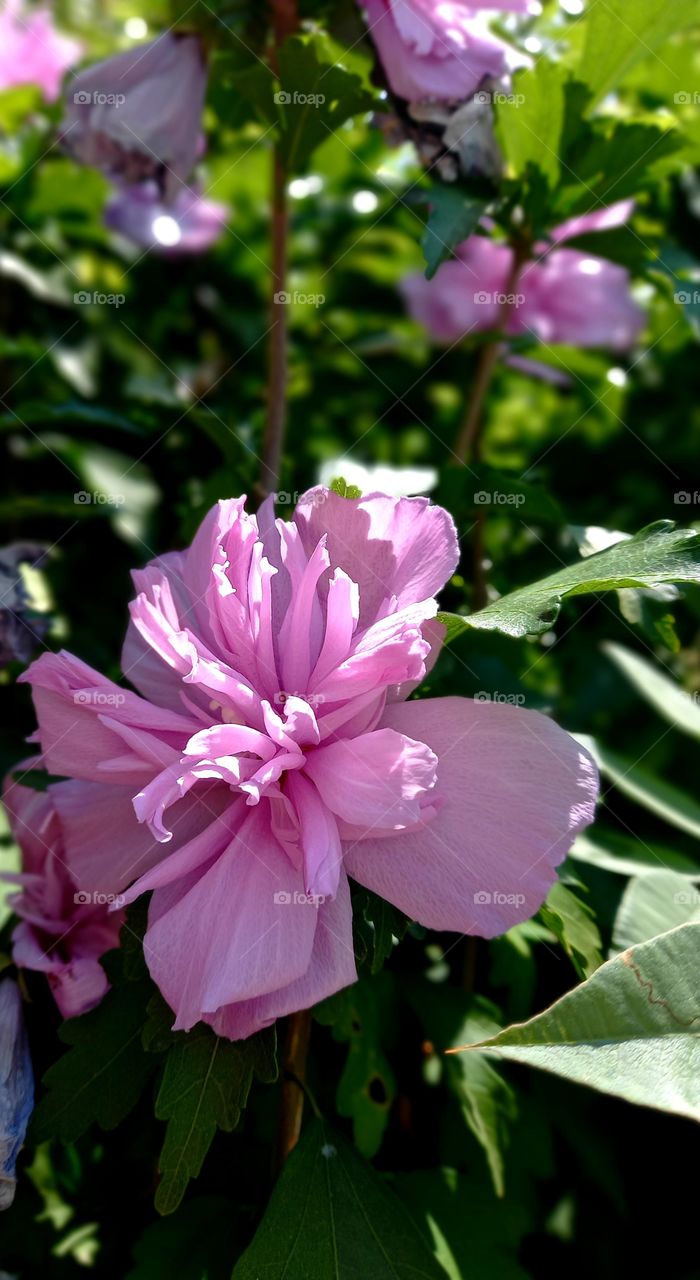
[16,1087]
[189,224]
[563,296]
[439,50]
[137,116]
[270,753]
[32,51]
[62,932]
[22,627]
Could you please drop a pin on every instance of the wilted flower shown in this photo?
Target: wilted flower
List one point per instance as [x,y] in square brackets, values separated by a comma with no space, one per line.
[564,296]
[62,932]
[138,115]
[21,626]
[273,753]
[31,49]
[439,50]
[16,1087]
[189,224]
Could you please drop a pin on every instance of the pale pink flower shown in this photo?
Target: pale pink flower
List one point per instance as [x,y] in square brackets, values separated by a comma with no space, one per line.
[138,115]
[32,51]
[190,224]
[62,932]
[270,753]
[439,50]
[564,296]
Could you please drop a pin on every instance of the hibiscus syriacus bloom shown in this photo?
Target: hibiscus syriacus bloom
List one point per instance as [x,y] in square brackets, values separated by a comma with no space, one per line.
[189,224]
[32,51]
[439,50]
[138,115]
[272,753]
[565,296]
[62,932]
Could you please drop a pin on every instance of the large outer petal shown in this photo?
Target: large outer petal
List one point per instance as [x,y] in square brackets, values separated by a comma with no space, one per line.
[402,547]
[516,789]
[332,967]
[240,930]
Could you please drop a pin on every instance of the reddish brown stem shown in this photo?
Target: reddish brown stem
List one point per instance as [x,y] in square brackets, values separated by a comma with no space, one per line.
[293,1076]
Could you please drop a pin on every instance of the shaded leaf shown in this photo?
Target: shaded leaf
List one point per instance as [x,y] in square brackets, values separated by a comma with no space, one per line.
[573,923]
[653,904]
[453,215]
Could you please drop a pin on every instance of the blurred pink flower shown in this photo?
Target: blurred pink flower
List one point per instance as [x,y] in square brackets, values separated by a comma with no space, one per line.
[189,225]
[439,50]
[271,752]
[62,932]
[138,115]
[564,296]
[31,49]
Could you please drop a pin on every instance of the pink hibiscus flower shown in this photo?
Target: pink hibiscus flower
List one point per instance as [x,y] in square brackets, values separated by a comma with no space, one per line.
[271,752]
[439,50]
[62,932]
[31,49]
[566,296]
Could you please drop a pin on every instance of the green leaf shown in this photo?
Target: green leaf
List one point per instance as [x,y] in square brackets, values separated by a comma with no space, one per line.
[376,926]
[628,857]
[529,120]
[618,36]
[197,1244]
[331,1217]
[343,489]
[662,798]
[205,1087]
[630,1030]
[314,100]
[653,904]
[573,923]
[367,1086]
[664,695]
[658,553]
[453,216]
[105,1071]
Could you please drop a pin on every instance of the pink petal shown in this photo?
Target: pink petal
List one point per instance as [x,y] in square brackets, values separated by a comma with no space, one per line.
[331,967]
[377,780]
[516,790]
[319,837]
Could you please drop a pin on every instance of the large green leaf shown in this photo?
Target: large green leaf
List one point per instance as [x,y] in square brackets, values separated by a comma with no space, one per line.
[453,216]
[362,1016]
[529,120]
[633,780]
[205,1087]
[659,553]
[332,1217]
[618,35]
[573,923]
[630,1030]
[653,904]
[665,696]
